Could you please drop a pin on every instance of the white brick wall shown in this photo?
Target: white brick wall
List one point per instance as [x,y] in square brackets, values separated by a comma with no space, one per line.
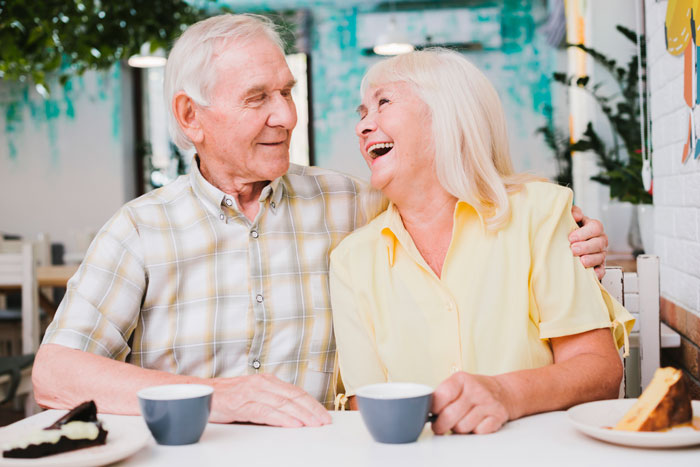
[676,185]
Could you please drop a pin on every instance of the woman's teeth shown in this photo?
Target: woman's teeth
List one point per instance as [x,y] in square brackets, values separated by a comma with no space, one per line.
[379,149]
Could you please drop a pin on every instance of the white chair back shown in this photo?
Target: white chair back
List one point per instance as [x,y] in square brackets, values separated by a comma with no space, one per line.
[639,292]
[18,269]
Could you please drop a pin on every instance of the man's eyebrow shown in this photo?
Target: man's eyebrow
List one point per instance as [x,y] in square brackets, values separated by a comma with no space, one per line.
[262,88]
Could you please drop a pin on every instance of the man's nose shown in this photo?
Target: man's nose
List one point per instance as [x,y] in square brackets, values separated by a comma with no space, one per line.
[283,113]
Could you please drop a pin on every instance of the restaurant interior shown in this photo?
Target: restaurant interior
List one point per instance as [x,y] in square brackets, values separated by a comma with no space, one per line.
[599,96]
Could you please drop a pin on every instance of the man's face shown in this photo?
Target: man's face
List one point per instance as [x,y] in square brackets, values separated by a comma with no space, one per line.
[248,125]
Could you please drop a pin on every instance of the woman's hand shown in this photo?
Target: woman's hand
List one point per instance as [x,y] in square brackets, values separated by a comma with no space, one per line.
[467,403]
[589,242]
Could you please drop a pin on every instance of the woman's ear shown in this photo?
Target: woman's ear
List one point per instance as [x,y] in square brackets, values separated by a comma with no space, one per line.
[186,113]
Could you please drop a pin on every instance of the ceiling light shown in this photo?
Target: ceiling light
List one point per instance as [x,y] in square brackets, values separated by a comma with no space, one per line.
[147,59]
[392,42]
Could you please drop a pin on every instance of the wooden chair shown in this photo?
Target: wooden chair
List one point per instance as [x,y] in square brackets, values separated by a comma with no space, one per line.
[18,269]
[639,292]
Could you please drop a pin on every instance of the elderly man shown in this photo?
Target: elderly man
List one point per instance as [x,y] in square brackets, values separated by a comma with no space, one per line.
[221,277]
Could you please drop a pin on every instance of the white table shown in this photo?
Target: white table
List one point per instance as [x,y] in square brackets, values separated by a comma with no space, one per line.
[542,440]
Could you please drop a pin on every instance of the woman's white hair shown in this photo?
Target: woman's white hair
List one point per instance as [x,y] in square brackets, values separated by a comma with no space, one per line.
[472,161]
[191,68]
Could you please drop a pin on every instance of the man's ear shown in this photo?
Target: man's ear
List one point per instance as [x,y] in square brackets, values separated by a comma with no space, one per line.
[186,113]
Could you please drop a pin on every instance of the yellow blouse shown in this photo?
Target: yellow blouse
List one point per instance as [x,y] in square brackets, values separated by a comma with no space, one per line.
[501,296]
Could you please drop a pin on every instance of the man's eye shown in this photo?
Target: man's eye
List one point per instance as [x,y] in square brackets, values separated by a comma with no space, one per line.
[258,98]
[286,93]
[383,100]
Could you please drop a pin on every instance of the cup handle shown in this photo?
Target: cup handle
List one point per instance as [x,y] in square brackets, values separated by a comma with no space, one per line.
[432,417]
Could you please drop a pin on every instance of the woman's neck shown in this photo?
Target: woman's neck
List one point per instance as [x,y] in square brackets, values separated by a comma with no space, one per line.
[428,218]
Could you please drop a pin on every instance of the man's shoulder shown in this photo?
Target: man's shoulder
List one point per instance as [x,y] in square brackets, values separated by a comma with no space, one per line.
[302,179]
[147,207]
[163,195]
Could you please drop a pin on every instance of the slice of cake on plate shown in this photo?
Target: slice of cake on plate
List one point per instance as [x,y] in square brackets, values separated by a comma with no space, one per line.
[664,403]
[77,429]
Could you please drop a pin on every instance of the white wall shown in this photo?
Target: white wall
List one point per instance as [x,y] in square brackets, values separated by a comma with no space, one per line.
[66,175]
[676,185]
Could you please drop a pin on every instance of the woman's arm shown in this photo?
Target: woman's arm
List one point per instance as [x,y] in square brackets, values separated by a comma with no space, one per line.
[358,356]
[586,367]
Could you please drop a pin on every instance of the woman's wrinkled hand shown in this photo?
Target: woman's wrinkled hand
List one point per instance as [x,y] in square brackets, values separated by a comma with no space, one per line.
[467,403]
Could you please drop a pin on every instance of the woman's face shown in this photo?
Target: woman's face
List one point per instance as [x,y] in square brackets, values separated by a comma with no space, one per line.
[395,135]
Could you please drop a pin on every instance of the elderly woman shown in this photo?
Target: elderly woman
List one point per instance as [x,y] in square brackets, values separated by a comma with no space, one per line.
[466,282]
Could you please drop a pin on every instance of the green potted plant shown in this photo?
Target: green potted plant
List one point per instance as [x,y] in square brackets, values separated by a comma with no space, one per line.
[621,162]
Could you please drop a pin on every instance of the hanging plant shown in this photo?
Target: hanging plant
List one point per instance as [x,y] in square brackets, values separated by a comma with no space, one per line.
[621,164]
[70,37]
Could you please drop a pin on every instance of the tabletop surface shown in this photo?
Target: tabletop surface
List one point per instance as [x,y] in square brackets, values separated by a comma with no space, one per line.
[545,439]
[56,275]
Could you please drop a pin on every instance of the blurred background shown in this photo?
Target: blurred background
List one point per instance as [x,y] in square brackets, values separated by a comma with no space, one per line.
[91,136]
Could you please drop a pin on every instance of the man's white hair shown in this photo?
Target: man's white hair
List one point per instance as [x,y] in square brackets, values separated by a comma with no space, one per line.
[191,64]
[472,161]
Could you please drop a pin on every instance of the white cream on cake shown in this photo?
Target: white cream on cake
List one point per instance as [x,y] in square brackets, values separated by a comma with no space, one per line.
[71,430]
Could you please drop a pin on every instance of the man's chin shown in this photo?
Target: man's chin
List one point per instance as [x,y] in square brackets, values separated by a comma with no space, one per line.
[278,168]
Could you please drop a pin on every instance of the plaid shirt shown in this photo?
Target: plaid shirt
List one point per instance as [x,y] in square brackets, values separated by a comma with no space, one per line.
[179,280]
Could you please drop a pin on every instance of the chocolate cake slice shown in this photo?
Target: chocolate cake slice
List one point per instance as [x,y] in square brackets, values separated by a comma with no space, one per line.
[77,429]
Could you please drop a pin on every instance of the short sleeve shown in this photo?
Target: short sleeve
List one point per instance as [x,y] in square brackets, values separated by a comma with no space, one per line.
[567,298]
[358,358]
[103,300]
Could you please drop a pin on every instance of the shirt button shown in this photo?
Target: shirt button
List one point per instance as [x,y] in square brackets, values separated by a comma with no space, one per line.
[221,216]
[272,205]
[229,202]
[256,364]
[254,234]
[259,298]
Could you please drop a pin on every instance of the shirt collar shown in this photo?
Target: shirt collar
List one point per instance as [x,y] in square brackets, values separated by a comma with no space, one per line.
[214,199]
[393,231]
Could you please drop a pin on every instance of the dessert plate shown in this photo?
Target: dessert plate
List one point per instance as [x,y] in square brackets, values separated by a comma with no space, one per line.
[596,418]
[127,435]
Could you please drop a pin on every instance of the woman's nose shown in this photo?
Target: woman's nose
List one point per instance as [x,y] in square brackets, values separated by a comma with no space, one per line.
[366,126]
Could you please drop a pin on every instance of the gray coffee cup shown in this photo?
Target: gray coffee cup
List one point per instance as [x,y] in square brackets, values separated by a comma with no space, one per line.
[395,413]
[176,413]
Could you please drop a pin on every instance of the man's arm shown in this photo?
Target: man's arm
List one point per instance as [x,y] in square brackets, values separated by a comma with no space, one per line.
[589,242]
[64,377]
